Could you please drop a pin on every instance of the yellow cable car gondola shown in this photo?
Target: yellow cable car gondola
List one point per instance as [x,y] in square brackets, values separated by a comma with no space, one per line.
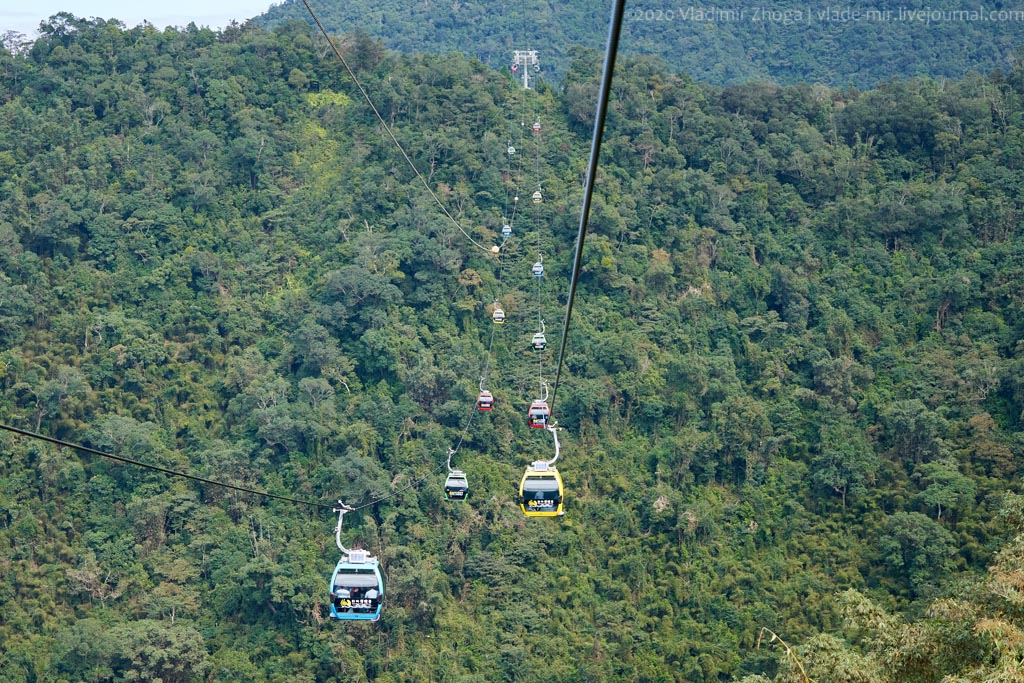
[498,316]
[541,492]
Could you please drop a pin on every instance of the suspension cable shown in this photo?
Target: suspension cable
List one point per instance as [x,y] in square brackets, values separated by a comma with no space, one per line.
[387,128]
[614,29]
[158,468]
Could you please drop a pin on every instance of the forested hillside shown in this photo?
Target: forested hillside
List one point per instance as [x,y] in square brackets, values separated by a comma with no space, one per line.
[856,44]
[792,372]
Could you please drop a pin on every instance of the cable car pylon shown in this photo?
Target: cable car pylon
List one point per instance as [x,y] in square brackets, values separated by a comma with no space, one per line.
[357,587]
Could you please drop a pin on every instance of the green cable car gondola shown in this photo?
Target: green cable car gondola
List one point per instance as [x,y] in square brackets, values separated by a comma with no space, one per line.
[456,486]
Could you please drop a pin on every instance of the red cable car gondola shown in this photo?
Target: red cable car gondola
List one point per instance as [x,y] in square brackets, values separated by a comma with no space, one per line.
[485,401]
[538,415]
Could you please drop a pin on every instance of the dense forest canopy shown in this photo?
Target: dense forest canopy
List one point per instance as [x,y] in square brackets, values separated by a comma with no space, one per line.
[856,44]
[793,372]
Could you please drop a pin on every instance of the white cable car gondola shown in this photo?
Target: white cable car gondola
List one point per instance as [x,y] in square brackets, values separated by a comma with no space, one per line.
[537,197]
[506,231]
[456,486]
[357,587]
[511,150]
[536,126]
[539,341]
[538,269]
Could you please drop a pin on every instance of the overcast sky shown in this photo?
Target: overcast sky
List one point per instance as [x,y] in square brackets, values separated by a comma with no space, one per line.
[24,15]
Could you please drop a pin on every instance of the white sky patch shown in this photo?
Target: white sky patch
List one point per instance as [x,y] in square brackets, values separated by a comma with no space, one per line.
[24,16]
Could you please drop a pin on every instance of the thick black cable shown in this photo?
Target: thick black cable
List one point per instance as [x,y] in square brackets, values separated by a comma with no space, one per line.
[158,468]
[614,29]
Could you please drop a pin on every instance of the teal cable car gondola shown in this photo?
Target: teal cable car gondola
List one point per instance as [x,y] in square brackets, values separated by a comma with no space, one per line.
[357,587]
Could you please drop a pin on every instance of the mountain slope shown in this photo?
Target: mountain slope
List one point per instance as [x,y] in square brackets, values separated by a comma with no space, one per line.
[857,44]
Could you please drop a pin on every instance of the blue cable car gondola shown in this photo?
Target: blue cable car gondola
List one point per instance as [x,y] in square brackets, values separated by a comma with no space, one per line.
[538,269]
[357,587]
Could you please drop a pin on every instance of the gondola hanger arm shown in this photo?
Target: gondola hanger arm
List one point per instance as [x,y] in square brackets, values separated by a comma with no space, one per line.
[341,509]
[553,428]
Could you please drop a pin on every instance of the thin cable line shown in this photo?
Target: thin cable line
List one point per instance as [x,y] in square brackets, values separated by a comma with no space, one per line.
[412,484]
[387,128]
[158,468]
[614,29]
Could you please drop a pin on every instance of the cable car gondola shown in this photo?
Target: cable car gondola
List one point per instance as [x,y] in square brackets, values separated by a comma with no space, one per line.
[357,587]
[541,492]
[485,401]
[498,316]
[456,487]
[511,150]
[539,342]
[538,415]
[506,231]
[536,127]
[538,269]
[537,197]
